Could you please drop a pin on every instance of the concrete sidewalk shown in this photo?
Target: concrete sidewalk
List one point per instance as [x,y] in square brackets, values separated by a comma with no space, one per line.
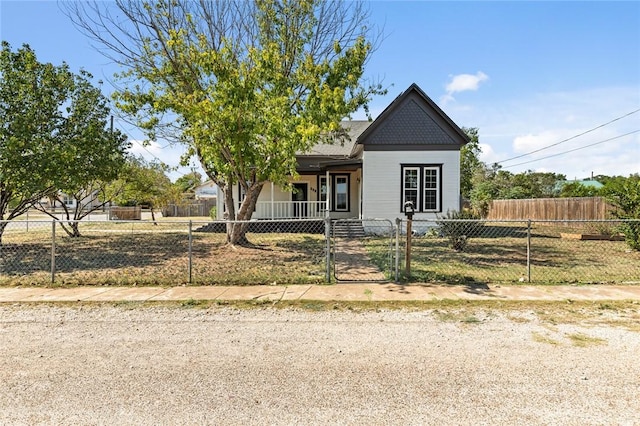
[338,292]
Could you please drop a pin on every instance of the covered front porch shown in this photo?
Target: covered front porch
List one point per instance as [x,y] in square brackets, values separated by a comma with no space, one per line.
[334,193]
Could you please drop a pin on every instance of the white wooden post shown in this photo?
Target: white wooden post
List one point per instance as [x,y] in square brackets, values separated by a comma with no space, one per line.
[328,195]
[272,186]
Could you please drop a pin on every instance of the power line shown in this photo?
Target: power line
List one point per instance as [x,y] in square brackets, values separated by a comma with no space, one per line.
[572,150]
[568,139]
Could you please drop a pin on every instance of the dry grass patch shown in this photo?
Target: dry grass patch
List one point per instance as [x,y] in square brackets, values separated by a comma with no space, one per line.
[544,338]
[583,340]
[143,254]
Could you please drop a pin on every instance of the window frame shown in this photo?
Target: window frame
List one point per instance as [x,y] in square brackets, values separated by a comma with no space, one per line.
[421,205]
[335,194]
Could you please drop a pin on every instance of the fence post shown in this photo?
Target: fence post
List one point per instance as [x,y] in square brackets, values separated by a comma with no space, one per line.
[529,251]
[53,251]
[190,252]
[398,225]
[409,243]
[327,237]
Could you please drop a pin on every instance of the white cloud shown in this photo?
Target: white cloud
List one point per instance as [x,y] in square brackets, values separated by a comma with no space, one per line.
[146,149]
[520,124]
[488,155]
[465,82]
[462,83]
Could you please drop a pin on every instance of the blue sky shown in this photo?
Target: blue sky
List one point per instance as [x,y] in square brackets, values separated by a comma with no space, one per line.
[527,74]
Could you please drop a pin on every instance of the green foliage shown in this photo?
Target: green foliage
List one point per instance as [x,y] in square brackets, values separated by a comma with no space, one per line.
[576,189]
[493,183]
[624,195]
[53,132]
[213,213]
[458,227]
[470,163]
[188,183]
[246,98]
[144,184]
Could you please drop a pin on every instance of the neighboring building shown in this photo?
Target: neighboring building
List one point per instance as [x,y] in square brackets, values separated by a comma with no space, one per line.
[90,201]
[587,183]
[206,190]
[410,152]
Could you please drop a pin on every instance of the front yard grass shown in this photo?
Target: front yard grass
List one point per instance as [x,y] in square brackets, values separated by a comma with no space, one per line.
[159,256]
[498,253]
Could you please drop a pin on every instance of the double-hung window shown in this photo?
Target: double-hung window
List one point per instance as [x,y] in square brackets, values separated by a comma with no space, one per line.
[422,185]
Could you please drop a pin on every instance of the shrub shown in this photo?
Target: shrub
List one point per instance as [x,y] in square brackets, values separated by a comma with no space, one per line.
[624,195]
[213,213]
[457,228]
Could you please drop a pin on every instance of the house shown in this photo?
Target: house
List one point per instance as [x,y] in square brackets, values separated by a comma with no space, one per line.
[89,200]
[206,190]
[410,152]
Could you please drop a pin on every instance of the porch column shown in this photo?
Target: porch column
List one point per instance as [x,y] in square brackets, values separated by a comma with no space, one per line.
[328,201]
[360,195]
[272,186]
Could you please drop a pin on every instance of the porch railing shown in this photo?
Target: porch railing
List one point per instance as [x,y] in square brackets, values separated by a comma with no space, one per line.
[290,209]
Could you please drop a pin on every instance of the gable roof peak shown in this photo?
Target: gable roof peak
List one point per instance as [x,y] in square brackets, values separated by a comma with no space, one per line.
[428,107]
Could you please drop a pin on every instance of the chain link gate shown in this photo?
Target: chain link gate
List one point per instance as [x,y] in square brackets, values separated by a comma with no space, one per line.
[363,250]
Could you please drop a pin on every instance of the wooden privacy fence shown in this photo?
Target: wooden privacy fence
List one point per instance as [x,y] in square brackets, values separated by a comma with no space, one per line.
[125,213]
[576,208]
[200,208]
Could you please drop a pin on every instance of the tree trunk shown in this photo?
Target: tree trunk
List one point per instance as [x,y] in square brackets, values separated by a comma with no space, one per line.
[239,225]
[3,226]
[71,228]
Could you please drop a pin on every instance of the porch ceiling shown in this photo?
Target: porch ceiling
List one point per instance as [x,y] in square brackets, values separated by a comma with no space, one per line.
[318,165]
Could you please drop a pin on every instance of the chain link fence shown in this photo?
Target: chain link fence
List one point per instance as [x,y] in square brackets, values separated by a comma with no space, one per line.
[161,253]
[483,251]
[315,251]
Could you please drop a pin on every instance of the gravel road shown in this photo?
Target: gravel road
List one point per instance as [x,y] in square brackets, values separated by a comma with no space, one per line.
[106,365]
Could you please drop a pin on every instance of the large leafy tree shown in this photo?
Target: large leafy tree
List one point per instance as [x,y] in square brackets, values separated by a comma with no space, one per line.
[53,132]
[187,184]
[247,84]
[145,184]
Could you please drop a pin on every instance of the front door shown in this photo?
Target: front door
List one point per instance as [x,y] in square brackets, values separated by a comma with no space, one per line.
[300,200]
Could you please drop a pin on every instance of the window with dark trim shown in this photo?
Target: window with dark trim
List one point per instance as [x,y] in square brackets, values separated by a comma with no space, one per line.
[422,185]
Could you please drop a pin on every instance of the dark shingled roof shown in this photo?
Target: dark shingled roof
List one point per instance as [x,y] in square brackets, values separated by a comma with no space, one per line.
[413,119]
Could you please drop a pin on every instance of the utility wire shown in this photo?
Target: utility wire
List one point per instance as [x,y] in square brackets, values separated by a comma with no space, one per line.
[567,140]
[572,150]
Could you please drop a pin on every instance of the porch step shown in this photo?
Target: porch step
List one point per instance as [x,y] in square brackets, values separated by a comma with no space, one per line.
[347,229]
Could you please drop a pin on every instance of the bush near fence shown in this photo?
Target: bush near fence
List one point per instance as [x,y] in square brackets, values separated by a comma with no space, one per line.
[575,208]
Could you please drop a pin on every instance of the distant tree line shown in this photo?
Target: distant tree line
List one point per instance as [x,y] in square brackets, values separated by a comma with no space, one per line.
[481,183]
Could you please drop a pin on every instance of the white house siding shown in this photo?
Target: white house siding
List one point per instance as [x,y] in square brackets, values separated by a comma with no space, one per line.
[382,181]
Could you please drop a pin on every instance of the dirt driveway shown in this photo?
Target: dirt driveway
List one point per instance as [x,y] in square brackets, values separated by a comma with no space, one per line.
[104,365]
